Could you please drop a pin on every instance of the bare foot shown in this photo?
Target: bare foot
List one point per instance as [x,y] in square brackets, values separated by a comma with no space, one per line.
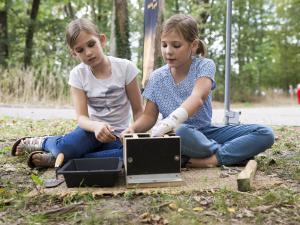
[203,163]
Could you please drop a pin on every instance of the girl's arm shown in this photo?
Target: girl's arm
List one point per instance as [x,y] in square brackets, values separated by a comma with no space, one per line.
[198,96]
[102,130]
[135,98]
[146,121]
[188,108]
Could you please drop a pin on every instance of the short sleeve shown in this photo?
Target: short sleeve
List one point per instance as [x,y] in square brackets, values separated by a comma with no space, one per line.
[131,72]
[207,69]
[74,79]
[149,92]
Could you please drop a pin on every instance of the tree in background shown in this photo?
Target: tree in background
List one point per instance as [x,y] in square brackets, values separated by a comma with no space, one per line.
[265,43]
[30,32]
[136,20]
[119,45]
[68,8]
[287,44]
[4,49]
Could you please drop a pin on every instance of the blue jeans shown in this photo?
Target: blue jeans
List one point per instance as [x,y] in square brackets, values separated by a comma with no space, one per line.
[82,144]
[231,144]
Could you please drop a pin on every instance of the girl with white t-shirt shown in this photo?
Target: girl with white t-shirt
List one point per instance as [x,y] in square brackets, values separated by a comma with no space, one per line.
[103,89]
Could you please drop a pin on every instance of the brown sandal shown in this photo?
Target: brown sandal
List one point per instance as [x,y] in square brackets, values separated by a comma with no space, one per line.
[28,144]
[47,160]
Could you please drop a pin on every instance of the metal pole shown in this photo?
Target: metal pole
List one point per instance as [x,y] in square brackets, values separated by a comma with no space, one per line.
[227,61]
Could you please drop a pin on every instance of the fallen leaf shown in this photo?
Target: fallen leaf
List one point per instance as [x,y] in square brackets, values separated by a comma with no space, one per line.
[173,206]
[223,175]
[198,209]
[165,221]
[263,208]
[231,210]
[145,215]
[155,217]
[8,201]
[248,213]
[180,210]
[197,198]
[204,202]
[9,168]
[146,220]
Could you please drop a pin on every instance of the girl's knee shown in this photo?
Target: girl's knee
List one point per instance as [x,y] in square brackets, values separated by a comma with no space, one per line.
[268,134]
[194,143]
[69,150]
[183,130]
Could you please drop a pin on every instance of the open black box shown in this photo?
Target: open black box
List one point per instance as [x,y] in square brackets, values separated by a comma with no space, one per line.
[92,172]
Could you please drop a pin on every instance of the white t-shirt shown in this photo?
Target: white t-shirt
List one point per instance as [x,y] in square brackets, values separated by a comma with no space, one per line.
[106,98]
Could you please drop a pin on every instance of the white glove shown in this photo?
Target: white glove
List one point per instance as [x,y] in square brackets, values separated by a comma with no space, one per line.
[170,123]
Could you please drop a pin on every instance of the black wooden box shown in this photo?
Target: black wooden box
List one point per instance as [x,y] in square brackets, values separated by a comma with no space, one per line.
[151,159]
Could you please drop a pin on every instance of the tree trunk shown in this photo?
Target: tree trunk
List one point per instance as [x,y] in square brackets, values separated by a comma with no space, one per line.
[30,32]
[120,32]
[4,35]
[69,10]
[112,43]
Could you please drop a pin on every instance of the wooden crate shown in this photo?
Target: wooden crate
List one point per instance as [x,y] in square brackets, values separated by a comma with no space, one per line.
[153,161]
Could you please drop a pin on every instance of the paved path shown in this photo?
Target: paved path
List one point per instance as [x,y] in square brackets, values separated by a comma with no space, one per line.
[263,115]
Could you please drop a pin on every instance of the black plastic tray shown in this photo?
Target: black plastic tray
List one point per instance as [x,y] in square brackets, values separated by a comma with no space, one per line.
[95,172]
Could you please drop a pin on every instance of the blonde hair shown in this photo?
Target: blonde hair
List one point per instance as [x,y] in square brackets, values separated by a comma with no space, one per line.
[186,26]
[76,26]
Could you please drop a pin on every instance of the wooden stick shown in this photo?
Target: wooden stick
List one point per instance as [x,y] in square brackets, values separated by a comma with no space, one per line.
[155,185]
[245,178]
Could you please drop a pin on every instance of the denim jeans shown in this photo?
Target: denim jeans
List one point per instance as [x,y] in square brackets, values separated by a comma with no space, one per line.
[82,144]
[231,144]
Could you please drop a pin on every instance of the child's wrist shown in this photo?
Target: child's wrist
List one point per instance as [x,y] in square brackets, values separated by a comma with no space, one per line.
[179,115]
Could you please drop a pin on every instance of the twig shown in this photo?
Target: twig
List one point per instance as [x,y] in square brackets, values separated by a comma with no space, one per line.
[163,204]
[63,209]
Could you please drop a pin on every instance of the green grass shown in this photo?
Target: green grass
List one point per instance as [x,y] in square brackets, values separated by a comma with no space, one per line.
[280,204]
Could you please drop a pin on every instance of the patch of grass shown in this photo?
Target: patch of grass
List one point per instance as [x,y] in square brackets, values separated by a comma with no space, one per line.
[16,128]
[281,197]
[77,197]
[221,206]
[106,216]
[130,194]
[284,156]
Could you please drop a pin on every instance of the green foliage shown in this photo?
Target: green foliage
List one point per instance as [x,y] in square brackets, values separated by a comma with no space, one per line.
[265,43]
[37,180]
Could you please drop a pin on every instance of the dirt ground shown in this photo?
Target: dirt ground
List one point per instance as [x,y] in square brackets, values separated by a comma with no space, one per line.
[207,196]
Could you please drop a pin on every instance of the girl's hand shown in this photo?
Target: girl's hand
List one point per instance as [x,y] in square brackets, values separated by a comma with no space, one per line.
[170,123]
[162,127]
[103,133]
